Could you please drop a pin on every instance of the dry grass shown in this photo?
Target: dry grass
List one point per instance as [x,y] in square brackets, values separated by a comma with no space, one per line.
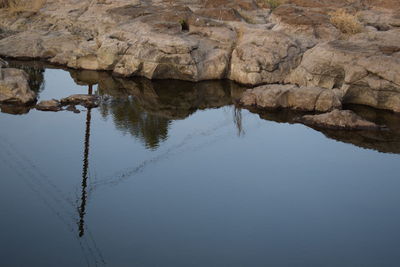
[16,6]
[345,22]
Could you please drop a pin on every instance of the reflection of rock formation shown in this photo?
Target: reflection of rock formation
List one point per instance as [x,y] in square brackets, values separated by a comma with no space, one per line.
[145,108]
[387,141]
[35,71]
[14,110]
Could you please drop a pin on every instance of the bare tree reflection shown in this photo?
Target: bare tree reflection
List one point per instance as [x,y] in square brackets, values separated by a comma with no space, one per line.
[238,120]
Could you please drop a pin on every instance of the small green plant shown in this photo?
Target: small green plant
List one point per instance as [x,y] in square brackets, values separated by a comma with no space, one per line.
[273,3]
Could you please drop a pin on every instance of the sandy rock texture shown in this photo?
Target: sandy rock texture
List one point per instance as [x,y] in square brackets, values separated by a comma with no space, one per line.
[246,41]
[293,97]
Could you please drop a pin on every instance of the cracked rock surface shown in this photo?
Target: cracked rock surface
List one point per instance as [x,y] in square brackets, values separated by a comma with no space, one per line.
[241,40]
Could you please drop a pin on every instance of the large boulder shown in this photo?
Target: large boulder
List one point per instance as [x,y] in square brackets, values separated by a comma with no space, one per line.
[264,56]
[14,87]
[366,68]
[292,97]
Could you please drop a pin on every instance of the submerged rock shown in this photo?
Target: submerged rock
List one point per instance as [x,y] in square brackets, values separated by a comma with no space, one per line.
[292,97]
[339,119]
[49,105]
[14,87]
[88,101]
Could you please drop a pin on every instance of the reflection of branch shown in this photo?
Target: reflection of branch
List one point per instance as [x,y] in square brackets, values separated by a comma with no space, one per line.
[18,164]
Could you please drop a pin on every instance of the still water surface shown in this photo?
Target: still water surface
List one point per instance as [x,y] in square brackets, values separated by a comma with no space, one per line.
[173,174]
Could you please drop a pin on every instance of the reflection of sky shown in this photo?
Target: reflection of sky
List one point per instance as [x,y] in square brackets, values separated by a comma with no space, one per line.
[59,84]
[281,195]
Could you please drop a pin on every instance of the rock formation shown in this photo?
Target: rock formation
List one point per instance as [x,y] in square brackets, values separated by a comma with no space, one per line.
[247,41]
[293,97]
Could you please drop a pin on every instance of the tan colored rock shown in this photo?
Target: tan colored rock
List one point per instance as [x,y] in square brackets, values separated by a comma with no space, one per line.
[304,21]
[263,56]
[365,68]
[292,97]
[14,87]
[382,20]
[188,40]
[339,119]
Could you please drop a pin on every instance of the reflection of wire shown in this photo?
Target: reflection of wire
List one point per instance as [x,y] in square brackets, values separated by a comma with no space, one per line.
[13,160]
[119,176]
[19,171]
[37,170]
[20,166]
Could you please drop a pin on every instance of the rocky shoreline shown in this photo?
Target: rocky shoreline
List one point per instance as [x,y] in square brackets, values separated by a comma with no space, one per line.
[292,54]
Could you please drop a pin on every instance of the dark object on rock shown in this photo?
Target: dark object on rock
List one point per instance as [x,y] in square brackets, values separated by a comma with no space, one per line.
[14,87]
[339,119]
[88,101]
[49,105]
[73,109]
[3,63]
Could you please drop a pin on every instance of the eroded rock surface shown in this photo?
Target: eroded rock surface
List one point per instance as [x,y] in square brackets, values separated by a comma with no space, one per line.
[243,40]
[293,97]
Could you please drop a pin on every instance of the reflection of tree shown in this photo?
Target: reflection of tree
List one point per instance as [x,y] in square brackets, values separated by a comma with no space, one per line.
[145,108]
[129,117]
[238,120]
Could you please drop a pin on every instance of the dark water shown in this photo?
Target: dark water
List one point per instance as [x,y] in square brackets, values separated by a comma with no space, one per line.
[173,174]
